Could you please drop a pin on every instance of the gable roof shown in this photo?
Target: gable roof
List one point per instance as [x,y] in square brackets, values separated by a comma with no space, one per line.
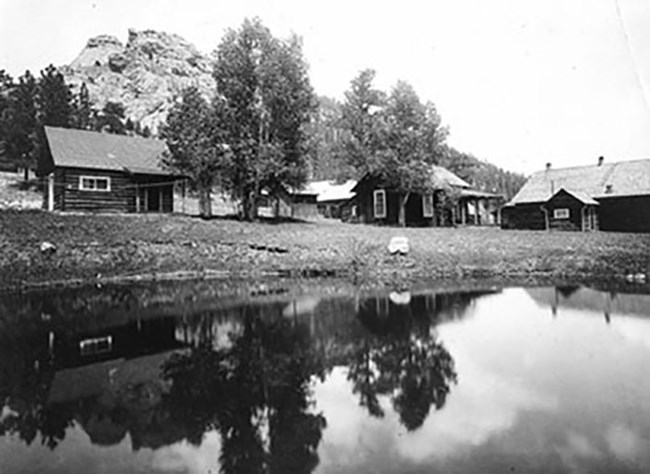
[441,178]
[623,178]
[86,149]
[580,196]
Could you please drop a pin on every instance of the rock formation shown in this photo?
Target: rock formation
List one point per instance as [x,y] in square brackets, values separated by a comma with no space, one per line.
[146,75]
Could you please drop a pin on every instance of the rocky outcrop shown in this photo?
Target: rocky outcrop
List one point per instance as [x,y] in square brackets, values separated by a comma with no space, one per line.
[146,75]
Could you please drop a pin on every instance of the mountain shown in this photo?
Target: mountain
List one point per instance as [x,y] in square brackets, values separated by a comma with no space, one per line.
[145,75]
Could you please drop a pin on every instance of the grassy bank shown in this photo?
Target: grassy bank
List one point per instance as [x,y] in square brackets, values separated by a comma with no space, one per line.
[106,246]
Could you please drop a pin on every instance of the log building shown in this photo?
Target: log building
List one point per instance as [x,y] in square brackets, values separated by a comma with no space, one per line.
[93,171]
[604,196]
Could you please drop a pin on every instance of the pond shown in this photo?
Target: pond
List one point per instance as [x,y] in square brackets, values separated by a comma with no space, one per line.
[198,377]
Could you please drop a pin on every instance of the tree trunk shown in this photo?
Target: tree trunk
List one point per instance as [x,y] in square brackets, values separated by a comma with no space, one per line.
[249,205]
[205,203]
[403,198]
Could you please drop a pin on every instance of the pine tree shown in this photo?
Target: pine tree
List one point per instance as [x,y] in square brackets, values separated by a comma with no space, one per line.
[82,110]
[111,119]
[55,100]
[19,123]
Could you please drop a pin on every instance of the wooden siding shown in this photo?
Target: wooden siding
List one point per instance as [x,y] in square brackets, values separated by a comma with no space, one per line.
[624,214]
[618,214]
[523,216]
[120,198]
[563,200]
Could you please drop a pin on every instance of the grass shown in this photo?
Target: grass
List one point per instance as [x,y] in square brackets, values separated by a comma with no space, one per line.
[111,246]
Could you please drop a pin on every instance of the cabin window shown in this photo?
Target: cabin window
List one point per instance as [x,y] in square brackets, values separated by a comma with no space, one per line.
[94,183]
[379,202]
[98,345]
[562,213]
[427,205]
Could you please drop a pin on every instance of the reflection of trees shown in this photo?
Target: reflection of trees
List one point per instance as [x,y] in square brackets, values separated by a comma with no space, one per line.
[256,393]
[25,378]
[399,356]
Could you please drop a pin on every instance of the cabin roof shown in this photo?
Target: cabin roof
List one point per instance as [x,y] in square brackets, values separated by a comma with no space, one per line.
[441,178]
[623,178]
[95,150]
[331,191]
[580,196]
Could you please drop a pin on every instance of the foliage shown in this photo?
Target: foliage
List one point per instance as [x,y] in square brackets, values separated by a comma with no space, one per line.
[55,100]
[395,139]
[111,119]
[327,158]
[263,85]
[195,132]
[481,174]
[399,357]
[19,120]
[259,384]
[83,115]
[361,122]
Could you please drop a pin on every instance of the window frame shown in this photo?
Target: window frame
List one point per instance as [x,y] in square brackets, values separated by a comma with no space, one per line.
[96,346]
[95,180]
[561,213]
[427,205]
[379,196]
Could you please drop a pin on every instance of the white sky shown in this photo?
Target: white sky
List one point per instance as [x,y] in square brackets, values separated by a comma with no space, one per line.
[519,82]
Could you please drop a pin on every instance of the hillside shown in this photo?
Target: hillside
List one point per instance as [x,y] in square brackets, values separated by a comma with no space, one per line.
[146,74]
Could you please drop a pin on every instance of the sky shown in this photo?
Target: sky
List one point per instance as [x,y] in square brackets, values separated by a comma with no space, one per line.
[519,83]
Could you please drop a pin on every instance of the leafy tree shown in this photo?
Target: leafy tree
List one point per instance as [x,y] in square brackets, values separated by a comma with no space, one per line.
[262,82]
[327,157]
[413,139]
[360,118]
[111,119]
[196,136]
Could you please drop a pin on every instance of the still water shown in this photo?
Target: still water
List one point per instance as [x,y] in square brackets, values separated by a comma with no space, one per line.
[194,378]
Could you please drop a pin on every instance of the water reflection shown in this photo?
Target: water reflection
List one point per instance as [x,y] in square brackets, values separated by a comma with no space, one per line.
[156,367]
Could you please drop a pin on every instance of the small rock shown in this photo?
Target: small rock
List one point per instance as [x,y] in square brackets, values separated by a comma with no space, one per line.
[398,245]
[48,248]
[400,298]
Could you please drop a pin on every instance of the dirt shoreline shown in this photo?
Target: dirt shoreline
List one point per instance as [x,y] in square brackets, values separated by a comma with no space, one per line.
[122,248]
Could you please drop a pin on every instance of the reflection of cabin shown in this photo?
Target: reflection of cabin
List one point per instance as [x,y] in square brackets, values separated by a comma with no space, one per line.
[588,299]
[605,196]
[92,171]
[452,201]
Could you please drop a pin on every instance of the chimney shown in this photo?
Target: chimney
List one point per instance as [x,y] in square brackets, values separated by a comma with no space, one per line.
[548,166]
[600,160]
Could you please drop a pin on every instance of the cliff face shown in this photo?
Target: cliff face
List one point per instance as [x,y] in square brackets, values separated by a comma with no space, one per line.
[145,75]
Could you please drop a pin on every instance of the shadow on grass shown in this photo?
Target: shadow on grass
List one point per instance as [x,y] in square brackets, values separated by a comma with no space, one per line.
[262,220]
[34,184]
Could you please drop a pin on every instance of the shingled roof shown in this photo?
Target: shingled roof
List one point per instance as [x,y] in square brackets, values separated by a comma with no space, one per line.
[86,149]
[623,178]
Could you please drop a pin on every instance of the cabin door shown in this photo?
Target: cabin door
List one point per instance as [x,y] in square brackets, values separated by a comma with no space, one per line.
[149,199]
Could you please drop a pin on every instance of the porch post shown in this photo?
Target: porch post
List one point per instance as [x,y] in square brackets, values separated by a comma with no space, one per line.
[463,212]
[137,198]
[50,192]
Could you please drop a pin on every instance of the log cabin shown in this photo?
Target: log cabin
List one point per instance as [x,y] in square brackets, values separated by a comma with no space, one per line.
[604,196]
[453,201]
[100,172]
